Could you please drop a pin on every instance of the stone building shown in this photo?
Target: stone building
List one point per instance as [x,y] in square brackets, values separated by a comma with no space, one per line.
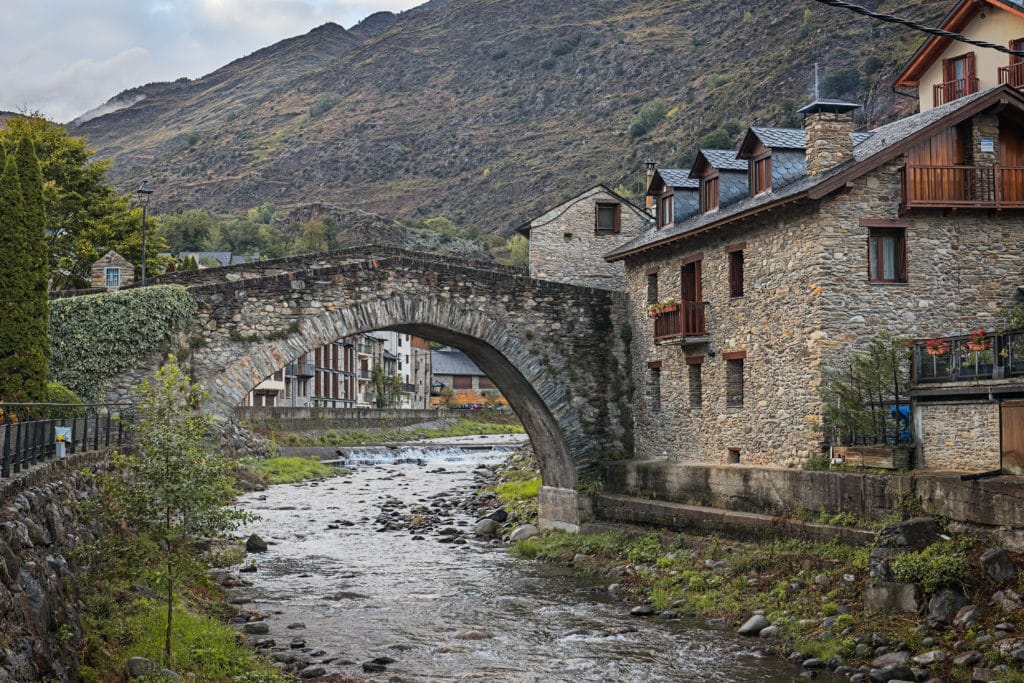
[111,271]
[567,242]
[753,299]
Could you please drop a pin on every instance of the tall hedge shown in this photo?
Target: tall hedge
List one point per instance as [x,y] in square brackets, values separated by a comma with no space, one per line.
[24,277]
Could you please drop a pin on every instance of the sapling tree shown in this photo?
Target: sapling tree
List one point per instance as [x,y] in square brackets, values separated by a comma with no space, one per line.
[173,489]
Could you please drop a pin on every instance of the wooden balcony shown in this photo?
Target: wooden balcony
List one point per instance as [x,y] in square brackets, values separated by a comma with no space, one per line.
[950,187]
[969,359]
[681,321]
[1012,75]
[954,90]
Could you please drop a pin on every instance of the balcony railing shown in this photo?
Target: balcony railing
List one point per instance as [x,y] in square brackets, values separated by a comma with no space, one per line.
[954,90]
[300,370]
[1012,75]
[969,358]
[681,320]
[988,187]
[365,349]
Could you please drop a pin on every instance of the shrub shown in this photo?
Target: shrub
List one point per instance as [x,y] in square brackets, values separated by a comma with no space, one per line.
[649,116]
[940,565]
[323,104]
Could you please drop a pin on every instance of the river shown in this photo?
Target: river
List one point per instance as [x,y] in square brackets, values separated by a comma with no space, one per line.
[459,610]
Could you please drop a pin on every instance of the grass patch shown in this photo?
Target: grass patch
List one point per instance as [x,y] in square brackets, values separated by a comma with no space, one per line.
[518,490]
[291,470]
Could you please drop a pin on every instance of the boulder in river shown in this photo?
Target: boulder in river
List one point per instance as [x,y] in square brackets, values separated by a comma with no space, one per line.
[754,625]
[486,528]
[255,544]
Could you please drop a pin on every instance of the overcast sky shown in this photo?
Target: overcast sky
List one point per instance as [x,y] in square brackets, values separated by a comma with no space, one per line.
[64,57]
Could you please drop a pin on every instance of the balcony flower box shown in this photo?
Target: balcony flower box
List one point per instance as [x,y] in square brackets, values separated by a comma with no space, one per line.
[978,341]
[659,308]
[937,347]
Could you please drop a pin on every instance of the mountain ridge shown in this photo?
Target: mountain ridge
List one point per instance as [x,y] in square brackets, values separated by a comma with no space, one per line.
[488,113]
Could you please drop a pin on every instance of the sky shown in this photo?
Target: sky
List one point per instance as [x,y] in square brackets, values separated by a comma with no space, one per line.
[64,57]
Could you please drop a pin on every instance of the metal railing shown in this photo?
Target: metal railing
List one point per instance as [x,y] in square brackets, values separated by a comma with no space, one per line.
[300,370]
[963,186]
[1012,75]
[969,358]
[31,433]
[954,90]
[681,320]
[365,349]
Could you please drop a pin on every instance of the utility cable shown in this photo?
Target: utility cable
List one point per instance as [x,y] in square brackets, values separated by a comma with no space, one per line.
[942,33]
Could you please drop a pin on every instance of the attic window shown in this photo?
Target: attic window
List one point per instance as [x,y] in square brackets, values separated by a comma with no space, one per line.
[665,208]
[761,174]
[607,218]
[709,193]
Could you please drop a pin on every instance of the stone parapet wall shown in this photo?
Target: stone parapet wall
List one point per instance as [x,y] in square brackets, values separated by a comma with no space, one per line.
[958,436]
[322,419]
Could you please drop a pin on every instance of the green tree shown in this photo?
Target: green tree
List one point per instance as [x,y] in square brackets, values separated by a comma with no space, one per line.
[387,391]
[518,251]
[187,230]
[314,238]
[24,275]
[84,217]
[173,490]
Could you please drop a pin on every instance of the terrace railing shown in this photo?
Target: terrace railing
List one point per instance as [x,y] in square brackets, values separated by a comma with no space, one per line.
[31,433]
[954,90]
[1012,75]
[985,187]
[969,358]
[685,319]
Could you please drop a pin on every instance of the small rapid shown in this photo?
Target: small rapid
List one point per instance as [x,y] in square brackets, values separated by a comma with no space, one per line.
[348,587]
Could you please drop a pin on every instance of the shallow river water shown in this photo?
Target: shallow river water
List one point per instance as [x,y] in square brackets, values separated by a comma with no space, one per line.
[363,593]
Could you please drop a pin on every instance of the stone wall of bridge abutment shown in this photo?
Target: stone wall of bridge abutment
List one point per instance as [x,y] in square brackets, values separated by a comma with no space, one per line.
[557,352]
[994,505]
[319,419]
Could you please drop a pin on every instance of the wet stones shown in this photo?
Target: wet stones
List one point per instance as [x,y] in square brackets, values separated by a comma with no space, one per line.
[255,544]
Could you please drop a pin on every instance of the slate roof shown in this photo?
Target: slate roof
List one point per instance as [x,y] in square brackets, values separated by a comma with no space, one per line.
[678,177]
[724,159]
[525,227]
[882,139]
[453,362]
[795,138]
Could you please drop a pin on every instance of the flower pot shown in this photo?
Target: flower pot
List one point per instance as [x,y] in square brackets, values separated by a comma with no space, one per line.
[983,345]
[938,350]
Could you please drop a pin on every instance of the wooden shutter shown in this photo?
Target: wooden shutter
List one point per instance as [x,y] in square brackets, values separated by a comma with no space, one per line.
[617,228]
[901,255]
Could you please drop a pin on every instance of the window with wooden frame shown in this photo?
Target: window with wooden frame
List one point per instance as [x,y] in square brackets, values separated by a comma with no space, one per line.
[696,389]
[958,79]
[652,286]
[734,378]
[654,386]
[666,208]
[761,174]
[887,254]
[607,218]
[735,255]
[709,193]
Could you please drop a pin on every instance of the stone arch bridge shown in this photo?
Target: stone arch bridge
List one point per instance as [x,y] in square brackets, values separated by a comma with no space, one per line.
[557,352]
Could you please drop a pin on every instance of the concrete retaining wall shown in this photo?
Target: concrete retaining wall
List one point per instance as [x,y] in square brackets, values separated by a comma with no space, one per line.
[322,419]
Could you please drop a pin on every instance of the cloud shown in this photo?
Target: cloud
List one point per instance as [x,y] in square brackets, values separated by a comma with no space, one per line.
[68,58]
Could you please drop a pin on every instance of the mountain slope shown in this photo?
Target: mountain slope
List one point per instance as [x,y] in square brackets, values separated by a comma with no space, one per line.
[488,111]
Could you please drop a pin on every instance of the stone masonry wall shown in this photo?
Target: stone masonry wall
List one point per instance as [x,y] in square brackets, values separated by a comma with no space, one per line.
[564,246]
[959,436]
[808,304]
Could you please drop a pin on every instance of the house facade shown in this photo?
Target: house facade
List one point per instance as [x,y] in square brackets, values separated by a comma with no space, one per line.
[111,271]
[568,242]
[738,311]
[944,70]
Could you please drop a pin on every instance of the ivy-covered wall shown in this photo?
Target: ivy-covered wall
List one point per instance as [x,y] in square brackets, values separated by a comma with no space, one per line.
[95,337]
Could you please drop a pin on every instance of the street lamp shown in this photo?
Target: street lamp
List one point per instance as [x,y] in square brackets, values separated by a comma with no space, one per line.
[143,193]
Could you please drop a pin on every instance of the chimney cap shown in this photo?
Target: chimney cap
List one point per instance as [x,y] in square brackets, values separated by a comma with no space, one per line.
[821,105]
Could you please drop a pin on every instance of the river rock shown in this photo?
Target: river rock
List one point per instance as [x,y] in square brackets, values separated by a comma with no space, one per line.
[498,515]
[256,628]
[998,565]
[473,635]
[969,658]
[965,616]
[983,675]
[255,544]
[754,625]
[295,626]
[1007,600]
[137,667]
[945,604]
[890,674]
[930,657]
[521,533]
[891,659]
[486,528]
[370,667]
[642,611]
[314,671]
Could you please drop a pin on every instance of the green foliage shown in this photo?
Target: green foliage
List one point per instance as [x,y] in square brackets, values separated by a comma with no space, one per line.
[387,391]
[938,566]
[858,397]
[324,104]
[645,549]
[187,230]
[511,491]
[289,470]
[841,83]
[82,215]
[518,251]
[649,116]
[172,490]
[24,273]
[58,393]
[93,338]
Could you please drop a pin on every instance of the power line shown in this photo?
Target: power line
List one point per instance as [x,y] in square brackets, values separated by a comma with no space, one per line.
[942,33]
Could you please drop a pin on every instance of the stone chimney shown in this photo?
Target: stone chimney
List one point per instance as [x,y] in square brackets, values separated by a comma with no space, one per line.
[828,127]
[651,167]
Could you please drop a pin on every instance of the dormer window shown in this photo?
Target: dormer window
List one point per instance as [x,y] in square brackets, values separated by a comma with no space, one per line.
[607,218]
[760,174]
[959,79]
[709,192]
[665,206]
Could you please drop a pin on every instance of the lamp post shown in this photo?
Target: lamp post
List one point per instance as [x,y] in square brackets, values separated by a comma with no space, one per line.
[143,194]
